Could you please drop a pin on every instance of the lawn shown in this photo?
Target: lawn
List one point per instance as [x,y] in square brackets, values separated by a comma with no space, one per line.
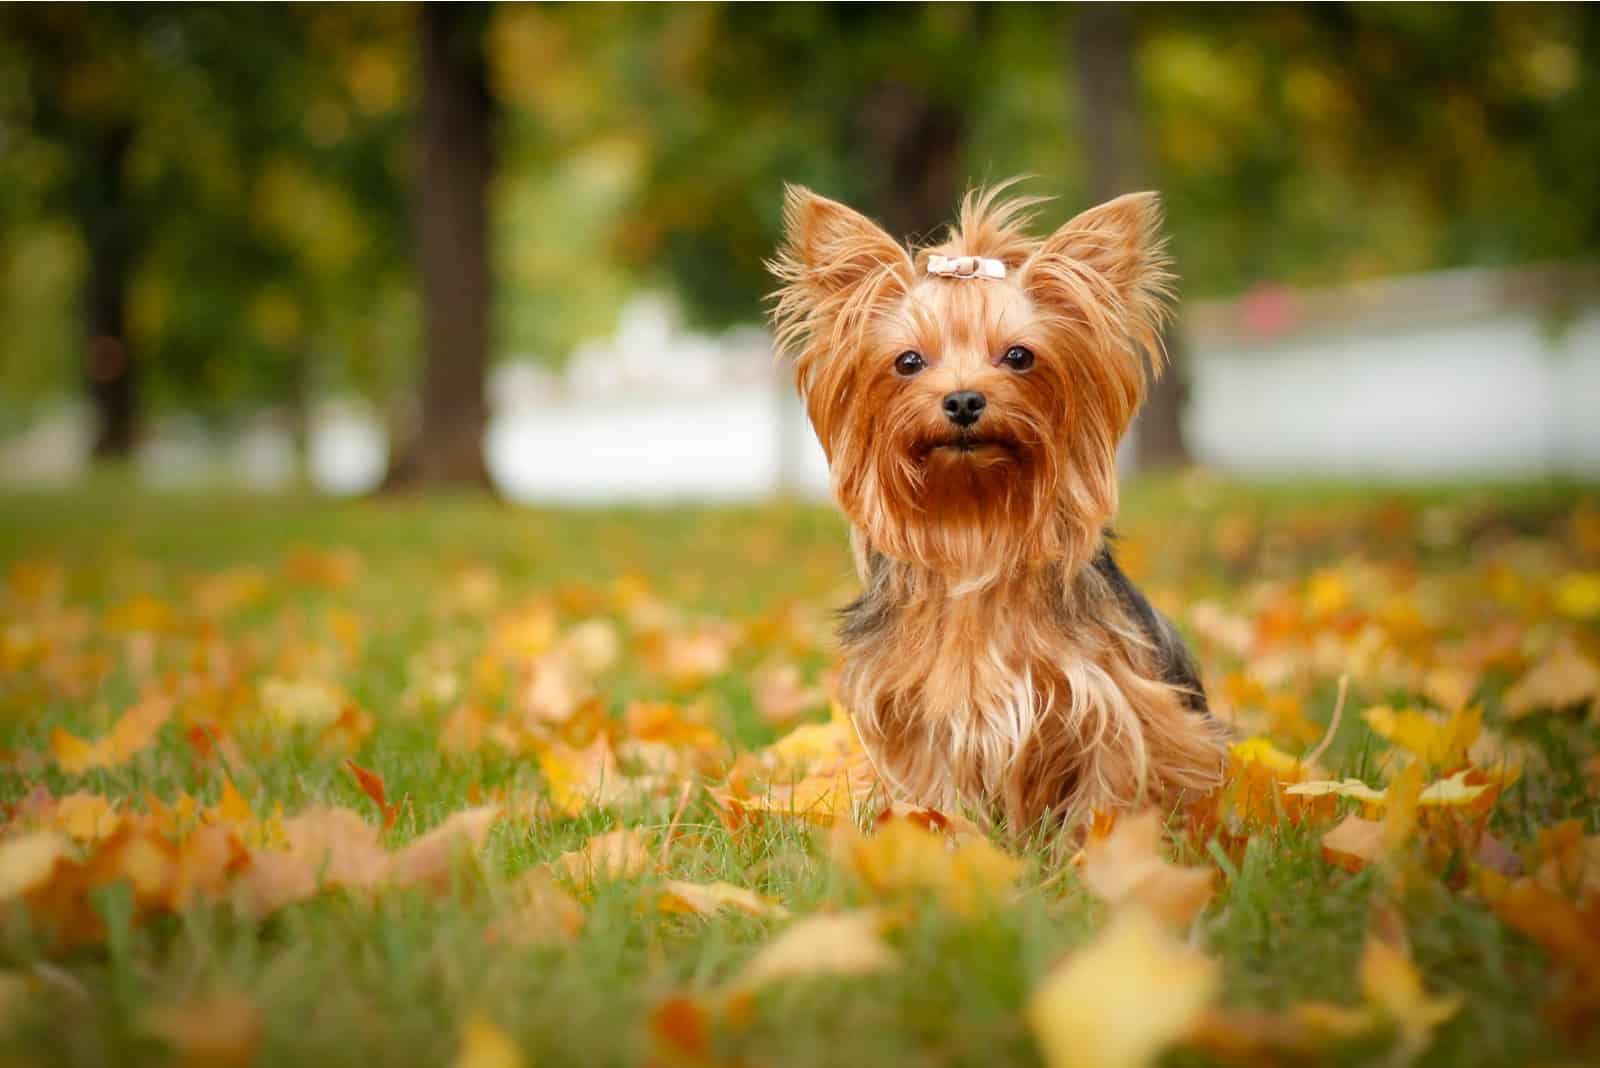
[192,870]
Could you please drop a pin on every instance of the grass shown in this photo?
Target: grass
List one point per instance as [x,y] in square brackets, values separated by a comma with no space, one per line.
[346,981]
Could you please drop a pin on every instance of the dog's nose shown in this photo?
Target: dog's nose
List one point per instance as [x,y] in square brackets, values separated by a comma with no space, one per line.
[964,406]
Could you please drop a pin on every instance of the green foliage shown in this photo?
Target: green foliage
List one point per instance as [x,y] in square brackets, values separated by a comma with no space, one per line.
[647,145]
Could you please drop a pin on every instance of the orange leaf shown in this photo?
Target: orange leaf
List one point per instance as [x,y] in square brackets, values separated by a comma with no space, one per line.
[371,784]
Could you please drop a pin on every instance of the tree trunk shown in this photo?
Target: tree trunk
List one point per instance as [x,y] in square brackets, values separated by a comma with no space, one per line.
[914,144]
[109,371]
[1114,146]
[453,247]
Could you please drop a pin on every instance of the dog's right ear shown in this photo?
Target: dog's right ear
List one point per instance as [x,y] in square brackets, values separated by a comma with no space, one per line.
[830,248]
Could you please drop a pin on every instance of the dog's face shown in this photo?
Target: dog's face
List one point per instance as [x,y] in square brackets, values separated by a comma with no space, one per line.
[972,422]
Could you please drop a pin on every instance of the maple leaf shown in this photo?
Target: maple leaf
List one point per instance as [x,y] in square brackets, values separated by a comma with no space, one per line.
[710,899]
[1354,843]
[1564,678]
[217,1030]
[1438,743]
[541,914]
[1452,792]
[580,778]
[904,857]
[371,784]
[1391,985]
[134,730]
[426,862]
[618,854]
[485,1045]
[27,862]
[1127,866]
[824,944]
[1123,998]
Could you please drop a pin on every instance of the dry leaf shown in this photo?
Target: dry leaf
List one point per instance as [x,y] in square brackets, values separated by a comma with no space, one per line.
[485,1045]
[1391,985]
[1122,999]
[219,1030]
[618,854]
[426,862]
[541,914]
[1561,680]
[904,857]
[27,862]
[709,899]
[1354,844]
[823,944]
[371,784]
[1127,866]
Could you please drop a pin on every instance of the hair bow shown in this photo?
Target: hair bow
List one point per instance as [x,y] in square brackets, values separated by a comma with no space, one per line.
[966,267]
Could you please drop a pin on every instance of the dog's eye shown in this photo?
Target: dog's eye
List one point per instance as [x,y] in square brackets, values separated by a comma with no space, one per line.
[909,363]
[1018,358]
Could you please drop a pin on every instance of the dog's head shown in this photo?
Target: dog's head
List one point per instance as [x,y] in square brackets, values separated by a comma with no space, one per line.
[970,396]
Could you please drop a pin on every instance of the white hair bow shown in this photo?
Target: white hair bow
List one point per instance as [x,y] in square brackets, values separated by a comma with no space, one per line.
[965,267]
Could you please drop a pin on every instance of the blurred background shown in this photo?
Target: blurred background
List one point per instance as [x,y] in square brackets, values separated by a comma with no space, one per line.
[367,247]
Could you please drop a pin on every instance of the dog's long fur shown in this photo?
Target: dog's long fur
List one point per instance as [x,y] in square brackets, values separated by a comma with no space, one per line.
[997,656]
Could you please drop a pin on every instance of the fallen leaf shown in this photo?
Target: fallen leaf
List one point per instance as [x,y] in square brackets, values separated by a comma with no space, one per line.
[618,854]
[371,784]
[218,1030]
[1561,680]
[28,861]
[1127,866]
[822,944]
[904,857]
[485,1045]
[1439,742]
[426,862]
[134,731]
[1122,999]
[1391,984]
[1354,844]
[709,899]
[541,914]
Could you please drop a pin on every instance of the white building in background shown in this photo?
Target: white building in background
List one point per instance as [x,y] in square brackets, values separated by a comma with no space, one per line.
[1454,375]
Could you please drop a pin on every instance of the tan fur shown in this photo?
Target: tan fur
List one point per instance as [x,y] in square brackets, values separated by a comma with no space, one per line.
[1005,672]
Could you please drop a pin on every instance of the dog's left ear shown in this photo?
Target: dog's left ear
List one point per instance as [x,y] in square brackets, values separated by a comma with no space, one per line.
[1120,245]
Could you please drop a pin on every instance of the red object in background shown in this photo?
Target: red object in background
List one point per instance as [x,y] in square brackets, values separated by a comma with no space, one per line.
[1268,311]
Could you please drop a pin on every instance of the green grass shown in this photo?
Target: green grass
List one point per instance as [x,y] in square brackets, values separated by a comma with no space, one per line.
[347,981]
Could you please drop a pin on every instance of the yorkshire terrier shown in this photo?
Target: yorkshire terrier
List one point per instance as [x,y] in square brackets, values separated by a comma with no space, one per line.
[969,398]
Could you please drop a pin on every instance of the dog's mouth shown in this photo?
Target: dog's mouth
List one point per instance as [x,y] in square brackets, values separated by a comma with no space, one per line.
[968,444]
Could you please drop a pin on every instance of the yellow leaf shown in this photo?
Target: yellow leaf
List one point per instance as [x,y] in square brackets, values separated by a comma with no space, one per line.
[1122,999]
[1578,595]
[1263,752]
[1391,985]
[1446,793]
[27,862]
[485,1045]
[904,857]
[812,746]
[1438,743]
[73,755]
[709,899]
[1127,866]
[1400,820]
[841,943]
[86,817]
[219,1030]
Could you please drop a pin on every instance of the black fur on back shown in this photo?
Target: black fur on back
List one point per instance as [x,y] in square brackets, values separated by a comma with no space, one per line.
[1177,664]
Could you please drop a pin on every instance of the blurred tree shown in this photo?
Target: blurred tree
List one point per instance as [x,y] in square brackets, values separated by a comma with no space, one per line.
[452,233]
[80,69]
[1113,138]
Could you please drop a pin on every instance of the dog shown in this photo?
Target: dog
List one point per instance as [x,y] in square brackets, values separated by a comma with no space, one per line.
[969,398]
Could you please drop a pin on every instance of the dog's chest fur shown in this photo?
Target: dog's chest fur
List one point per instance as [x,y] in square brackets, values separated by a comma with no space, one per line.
[1030,695]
